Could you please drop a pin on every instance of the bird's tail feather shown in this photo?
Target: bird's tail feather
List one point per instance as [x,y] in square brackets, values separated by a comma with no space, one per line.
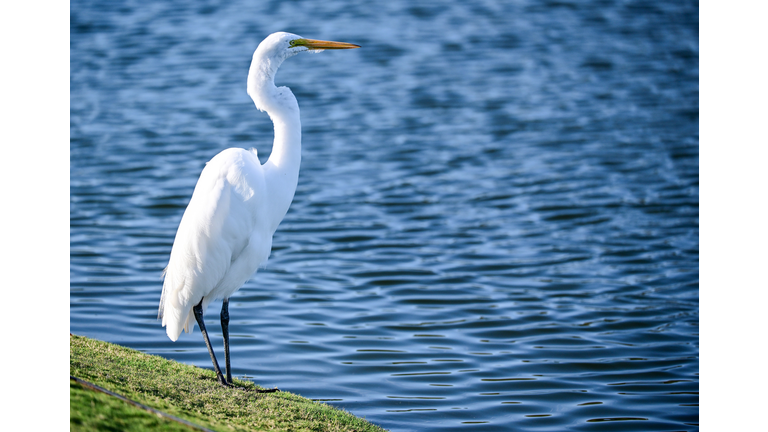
[171,311]
[173,328]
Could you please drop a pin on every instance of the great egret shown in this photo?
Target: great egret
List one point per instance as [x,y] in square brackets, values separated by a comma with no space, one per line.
[226,231]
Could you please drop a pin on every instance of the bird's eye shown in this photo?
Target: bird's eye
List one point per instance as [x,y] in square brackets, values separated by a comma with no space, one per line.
[297,43]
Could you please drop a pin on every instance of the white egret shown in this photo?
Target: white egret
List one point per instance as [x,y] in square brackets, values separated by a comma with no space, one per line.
[226,231]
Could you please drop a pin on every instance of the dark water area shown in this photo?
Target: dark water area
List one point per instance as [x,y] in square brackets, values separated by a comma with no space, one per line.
[497,220]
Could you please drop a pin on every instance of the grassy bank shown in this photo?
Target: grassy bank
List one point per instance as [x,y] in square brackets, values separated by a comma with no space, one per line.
[184,391]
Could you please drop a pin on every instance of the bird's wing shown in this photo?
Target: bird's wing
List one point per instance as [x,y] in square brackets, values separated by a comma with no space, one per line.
[215,229]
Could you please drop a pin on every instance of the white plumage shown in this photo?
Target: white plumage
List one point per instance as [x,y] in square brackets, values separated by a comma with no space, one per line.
[224,235]
[226,231]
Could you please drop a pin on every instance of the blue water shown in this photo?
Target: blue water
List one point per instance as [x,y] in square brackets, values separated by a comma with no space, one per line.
[496,223]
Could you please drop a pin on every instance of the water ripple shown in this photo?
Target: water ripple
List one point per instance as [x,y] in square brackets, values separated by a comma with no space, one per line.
[496,223]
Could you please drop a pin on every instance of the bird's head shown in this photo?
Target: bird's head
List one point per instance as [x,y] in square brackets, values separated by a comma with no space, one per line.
[281,45]
[270,54]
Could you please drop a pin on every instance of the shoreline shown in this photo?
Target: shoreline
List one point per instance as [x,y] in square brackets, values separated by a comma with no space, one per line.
[186,392]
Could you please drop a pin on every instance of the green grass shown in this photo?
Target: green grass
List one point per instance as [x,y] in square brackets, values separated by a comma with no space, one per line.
[94,411]
[184,391]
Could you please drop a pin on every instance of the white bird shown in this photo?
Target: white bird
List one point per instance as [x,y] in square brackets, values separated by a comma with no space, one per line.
[226,231]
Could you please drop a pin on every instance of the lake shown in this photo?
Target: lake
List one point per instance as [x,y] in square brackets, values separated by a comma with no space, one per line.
[497,220]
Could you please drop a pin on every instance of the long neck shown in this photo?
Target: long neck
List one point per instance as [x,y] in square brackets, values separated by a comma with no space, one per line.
[281,171]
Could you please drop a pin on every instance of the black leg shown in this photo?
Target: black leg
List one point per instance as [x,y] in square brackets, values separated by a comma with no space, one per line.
[198,310]
[225,330]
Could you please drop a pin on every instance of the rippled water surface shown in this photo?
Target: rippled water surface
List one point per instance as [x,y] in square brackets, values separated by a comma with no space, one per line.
[496,224]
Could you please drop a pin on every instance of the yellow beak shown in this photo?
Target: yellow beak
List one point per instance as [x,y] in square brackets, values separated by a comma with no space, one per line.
[321,44]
